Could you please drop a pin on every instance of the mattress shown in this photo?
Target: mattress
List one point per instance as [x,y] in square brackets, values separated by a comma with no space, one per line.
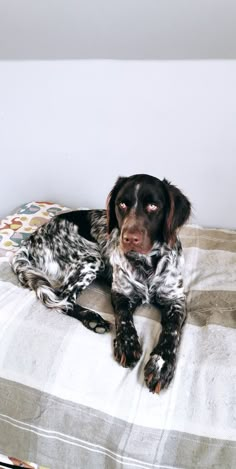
[65,402]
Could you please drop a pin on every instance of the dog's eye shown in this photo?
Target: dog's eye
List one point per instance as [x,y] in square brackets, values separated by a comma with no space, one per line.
[123,206]
[151,208]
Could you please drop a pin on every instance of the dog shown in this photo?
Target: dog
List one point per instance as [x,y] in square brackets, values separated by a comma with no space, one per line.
[134,246]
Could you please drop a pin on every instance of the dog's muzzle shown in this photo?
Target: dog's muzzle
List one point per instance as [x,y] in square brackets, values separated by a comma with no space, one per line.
[133,239]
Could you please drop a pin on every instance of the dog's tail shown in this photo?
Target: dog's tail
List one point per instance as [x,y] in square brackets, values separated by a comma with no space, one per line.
[31,277]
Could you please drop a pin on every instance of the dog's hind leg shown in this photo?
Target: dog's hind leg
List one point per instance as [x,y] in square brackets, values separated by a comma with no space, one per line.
[90,319]
[58,286]
[78,279]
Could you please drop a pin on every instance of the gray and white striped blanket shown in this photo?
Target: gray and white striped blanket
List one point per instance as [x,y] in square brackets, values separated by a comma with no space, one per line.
[66,403]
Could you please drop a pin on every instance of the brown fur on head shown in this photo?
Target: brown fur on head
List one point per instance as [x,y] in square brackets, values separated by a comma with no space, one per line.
[179,212]
[110,204]
[146,210]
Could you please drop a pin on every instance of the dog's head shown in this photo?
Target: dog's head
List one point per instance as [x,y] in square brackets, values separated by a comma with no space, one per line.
[146,210]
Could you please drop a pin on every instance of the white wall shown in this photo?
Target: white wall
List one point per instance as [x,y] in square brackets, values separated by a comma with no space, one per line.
[69,129]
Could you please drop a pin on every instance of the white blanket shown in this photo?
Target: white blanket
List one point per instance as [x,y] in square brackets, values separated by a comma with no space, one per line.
[65,402]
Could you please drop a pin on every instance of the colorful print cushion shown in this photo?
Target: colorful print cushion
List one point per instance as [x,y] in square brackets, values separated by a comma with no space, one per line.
[25,220]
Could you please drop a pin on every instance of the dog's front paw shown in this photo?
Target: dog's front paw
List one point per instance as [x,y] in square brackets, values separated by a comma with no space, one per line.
[127,349]
[158,373]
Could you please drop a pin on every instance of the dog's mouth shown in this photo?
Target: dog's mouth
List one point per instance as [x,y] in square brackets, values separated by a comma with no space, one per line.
[144,250]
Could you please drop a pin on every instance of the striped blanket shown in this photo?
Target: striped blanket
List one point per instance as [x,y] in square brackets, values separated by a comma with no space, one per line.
[66,403]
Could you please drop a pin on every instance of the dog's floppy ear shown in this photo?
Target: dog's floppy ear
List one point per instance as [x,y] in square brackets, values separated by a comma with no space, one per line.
[111,213]
[178,214]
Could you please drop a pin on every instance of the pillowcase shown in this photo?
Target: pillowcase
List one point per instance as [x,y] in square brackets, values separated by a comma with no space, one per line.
[24,221]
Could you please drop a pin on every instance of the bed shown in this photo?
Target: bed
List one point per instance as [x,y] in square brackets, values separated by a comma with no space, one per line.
[66,403]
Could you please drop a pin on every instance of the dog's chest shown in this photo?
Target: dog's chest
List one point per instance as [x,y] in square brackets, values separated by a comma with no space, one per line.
[139,274]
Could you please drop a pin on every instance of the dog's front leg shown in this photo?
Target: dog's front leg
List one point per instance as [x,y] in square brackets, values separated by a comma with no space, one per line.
[127,349]
[160,368]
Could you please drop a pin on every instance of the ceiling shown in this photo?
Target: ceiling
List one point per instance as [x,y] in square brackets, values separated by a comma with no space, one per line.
[118,29]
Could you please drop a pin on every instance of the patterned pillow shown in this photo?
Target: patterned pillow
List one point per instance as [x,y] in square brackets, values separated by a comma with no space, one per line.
[24,221]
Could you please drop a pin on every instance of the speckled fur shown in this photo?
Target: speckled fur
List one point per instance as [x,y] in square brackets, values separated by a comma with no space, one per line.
[65,255]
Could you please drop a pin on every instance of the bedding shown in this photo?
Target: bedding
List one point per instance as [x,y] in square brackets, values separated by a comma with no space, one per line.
[66,403]
[22,222]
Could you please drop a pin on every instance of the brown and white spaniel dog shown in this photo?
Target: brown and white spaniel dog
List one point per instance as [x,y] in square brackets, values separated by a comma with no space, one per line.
[133,245]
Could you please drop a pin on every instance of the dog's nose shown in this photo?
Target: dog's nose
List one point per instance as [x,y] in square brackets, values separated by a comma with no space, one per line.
[130,239]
